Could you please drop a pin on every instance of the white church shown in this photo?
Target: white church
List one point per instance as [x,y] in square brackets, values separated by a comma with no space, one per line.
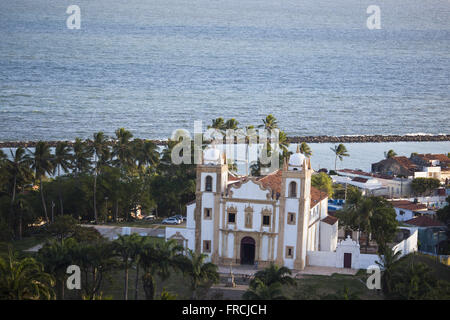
[257,220]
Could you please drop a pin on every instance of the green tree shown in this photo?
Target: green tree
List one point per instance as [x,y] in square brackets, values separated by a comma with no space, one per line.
[389,154]
[24,279]
[305,149]
[160,259]
[200,272]
[82,157]
[61,160]
[387,262]
[424,186]
[271,275]
[42,165]
[19,168]
[322,182]
[262,291]
[101,152]
[340,152]
[63,227]
[124,246]
[122,149]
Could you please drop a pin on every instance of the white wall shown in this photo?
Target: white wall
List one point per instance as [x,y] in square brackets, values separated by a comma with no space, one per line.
[321,258]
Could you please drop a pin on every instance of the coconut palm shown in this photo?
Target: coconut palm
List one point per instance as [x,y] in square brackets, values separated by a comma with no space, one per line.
[340,151]
[199,271]
[101,152]
[269,123]
[125,247]
[218,124]
[389,154]
[386,263]
[160,259]
[122,150]
[42,165]
[231,124]
[82,155]
[273,274]
[305,149]
[24,279]
[55,256]
[62,160]
[19,168]
[146,153]
[261,291]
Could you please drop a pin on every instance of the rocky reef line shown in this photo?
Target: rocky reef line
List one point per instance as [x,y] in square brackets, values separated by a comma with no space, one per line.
[294,139]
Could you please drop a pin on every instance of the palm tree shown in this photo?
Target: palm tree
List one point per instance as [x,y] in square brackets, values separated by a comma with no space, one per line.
[101,152]
[231,124]
[42,165]
[124,247]
[160,259]
[390,154]
[82,155]
[55,256]
[262,291]
[19,168]
[305,149]
[199,271]
[273,274]
[61,160]
[386,263]
[122,150]
[269,123]
[218,124]
[341,152]
[24,279]
[146,152]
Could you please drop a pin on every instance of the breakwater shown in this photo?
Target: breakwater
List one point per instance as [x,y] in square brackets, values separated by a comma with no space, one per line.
[295,139]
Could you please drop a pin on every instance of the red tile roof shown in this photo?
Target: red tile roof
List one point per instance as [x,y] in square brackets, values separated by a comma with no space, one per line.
[359,179]
[317,196]
[330,220]
[405,162]
[408,205]
[439,156]
[424,221]
[272,181]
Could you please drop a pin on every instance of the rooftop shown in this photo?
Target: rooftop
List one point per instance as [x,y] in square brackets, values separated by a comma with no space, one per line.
[424,221]
[408,205]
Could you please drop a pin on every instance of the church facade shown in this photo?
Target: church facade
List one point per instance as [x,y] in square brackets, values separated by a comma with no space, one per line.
[257,220]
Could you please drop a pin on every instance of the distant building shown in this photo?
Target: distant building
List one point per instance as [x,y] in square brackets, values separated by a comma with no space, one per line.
[398,166]
[417,166]
[407,210]
[375,184]
[431,233]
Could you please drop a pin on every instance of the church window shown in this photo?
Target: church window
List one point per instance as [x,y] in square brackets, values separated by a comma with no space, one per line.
[248,217]
[293,189]
[291,218]
[231,217]
[208,183]
[289,252]
[208,213]
[207,246]
[266,220]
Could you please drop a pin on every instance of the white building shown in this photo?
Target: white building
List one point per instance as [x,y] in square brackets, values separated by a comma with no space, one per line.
[245,220]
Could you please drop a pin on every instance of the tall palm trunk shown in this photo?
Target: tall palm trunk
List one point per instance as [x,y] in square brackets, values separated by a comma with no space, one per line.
[117,210]
[126,282]
[60,193]
[95,197]
[43,200]
[95,189]
[13,198]
[136,283]
[149,286]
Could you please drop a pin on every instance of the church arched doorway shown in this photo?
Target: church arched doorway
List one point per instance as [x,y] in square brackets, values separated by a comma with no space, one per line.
[248,250]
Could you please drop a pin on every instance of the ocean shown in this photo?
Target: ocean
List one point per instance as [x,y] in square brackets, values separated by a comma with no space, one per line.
[153,66]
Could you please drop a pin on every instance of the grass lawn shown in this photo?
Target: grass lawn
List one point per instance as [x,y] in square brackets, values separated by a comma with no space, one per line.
[23,244]
[314,287]
[439,270]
